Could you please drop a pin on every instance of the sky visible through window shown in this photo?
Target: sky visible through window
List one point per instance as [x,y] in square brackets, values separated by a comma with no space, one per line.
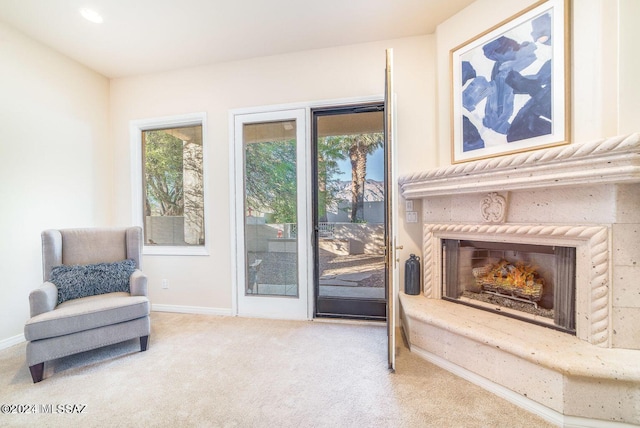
[375,167]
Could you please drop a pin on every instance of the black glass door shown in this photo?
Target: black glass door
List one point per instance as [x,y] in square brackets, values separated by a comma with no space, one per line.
[349,212]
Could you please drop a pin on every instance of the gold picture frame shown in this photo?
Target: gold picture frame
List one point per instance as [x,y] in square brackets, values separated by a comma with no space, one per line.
[510,85]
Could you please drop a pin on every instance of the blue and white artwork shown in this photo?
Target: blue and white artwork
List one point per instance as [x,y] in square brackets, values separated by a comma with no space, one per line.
[506,93]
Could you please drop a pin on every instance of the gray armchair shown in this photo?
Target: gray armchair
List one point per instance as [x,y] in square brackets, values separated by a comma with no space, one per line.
[91,320]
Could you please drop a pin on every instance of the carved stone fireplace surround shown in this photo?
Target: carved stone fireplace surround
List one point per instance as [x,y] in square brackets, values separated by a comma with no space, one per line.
[585,196]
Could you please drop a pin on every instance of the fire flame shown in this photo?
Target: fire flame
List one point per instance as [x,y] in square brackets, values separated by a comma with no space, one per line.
[509,276]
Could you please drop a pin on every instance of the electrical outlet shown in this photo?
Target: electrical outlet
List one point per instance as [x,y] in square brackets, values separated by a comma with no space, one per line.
[165,283]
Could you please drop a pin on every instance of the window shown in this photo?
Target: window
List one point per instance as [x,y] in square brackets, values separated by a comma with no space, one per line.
[169,193]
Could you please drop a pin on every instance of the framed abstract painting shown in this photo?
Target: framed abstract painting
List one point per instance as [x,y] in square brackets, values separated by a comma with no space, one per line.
[510,85]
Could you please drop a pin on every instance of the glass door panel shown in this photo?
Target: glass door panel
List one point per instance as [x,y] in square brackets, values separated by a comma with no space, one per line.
[270,193]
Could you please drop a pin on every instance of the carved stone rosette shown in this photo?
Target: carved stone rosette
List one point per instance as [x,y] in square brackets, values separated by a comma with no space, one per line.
[493,208]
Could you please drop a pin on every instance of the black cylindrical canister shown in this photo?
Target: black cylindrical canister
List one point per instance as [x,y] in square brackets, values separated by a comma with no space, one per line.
[412,275]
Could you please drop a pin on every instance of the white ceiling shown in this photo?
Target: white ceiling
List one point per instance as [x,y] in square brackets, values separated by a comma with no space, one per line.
[146,36]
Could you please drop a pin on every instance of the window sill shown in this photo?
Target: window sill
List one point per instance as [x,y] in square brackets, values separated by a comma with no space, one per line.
[162,250]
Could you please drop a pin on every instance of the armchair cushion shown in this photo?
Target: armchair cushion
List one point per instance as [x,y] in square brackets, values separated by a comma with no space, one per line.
[86,313]
[78,281]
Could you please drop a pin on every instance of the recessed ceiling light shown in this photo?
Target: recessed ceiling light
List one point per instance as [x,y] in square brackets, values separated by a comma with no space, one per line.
[91,15]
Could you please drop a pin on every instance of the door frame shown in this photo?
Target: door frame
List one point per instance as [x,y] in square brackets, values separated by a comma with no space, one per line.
[392,246]
[273,306]
[235,205]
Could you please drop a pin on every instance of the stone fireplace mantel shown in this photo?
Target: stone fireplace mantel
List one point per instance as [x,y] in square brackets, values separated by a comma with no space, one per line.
[610,161]
[585,196]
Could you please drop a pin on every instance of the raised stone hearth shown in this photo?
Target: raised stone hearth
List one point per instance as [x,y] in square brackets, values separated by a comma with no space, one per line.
[582,196]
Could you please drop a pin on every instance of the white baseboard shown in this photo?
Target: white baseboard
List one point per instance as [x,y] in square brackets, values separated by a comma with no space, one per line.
[544,412]
[9,342]
[191,310]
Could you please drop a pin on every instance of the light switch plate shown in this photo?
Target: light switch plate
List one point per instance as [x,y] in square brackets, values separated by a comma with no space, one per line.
[408,206]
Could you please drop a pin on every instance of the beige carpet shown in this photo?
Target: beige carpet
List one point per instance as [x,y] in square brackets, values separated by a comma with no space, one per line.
[236,372]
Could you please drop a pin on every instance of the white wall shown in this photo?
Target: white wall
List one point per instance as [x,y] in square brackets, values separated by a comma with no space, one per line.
[55,162]
[343,72]
[629,58]
[604,89]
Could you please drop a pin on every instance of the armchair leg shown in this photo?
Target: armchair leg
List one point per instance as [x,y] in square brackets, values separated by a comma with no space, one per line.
[37,370]
[144,340]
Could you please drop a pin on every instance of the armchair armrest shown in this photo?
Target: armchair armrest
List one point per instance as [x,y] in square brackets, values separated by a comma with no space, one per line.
[43,299]
[138,283]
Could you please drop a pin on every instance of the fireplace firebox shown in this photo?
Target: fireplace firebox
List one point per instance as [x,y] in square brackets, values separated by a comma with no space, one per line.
[534,283]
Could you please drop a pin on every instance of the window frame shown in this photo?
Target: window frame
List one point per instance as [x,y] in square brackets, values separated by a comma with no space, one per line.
[136,127]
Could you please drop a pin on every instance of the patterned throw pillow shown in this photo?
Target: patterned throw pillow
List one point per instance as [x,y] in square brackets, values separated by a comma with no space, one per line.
[75,281]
